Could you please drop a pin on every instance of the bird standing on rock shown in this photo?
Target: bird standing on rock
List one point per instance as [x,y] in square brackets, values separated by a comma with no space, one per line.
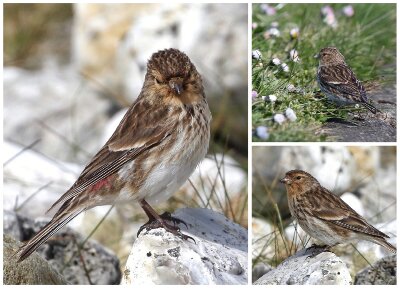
[326,217]
[338,82]
[153,151]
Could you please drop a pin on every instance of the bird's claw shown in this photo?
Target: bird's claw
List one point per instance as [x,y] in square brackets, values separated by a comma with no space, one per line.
[162,223]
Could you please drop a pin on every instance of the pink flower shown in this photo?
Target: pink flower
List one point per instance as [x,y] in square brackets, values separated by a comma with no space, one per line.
[348,10]
[279,118]
[254,95]
[267,9]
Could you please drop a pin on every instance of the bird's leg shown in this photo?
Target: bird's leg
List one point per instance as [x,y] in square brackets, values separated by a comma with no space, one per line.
[315,246]
[158,221]
[325,248]
[167,216]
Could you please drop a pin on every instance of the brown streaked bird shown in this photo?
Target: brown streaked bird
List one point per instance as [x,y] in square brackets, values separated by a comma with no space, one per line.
[326,217]
[153,151]
[338,82]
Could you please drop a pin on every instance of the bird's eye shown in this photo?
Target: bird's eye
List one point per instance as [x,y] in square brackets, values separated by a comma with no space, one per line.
[298,177]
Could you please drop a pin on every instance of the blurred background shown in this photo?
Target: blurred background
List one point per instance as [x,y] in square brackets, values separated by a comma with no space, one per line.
[71,71]
[364,177]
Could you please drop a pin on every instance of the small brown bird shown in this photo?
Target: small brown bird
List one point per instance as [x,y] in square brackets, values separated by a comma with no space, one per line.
[325,216]
[154,150]
[338,82]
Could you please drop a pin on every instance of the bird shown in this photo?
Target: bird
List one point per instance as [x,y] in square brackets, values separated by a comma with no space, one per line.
[157,145]
[325,216]
[338,82]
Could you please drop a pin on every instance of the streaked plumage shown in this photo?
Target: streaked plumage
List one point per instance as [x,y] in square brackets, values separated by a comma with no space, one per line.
[338,82]
[155,148]
[325,216]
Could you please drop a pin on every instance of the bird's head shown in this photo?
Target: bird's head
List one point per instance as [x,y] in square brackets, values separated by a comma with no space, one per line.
[330,56]
[172,75]
[297,181]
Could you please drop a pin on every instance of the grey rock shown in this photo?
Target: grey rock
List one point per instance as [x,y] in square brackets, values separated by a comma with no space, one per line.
[380,127]
[382,272]
[10,224]
[65,253]
[46,101]
[33,271]
[219,255]
[300,269]
[259,270]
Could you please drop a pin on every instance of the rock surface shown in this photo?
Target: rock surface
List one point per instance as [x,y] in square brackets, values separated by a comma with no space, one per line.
[65,254]
[52,105]
[300,269]
[380,127]
[259,270]
[219,255]
[33,271]
[383,272]
[29,173]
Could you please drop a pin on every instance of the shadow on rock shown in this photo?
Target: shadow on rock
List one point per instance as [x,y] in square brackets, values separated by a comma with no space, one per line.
[365,126]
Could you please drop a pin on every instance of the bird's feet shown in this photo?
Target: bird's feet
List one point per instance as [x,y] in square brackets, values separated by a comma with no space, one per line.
[162,222]
[316,248]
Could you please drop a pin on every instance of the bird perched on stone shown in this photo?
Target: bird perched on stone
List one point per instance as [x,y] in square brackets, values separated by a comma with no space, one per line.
[326,217]
[153,151]
[338,82]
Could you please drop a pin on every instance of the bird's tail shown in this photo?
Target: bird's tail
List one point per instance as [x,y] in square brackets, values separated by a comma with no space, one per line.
[384,243]
[370,107]
[59,220]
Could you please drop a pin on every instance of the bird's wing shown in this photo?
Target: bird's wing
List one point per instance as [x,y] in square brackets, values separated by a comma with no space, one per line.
[340,78]
[144,126]
[336,211]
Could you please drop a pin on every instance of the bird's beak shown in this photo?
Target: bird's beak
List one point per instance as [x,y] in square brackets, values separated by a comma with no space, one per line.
[317,56]
[285,180]
[176,84]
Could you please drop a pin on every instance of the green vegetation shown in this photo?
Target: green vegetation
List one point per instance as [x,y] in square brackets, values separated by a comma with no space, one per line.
[367,39]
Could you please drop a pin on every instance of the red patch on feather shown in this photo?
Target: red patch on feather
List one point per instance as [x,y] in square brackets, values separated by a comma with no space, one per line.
[102,183]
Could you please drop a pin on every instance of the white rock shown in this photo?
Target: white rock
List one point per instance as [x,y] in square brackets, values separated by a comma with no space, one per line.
[323,269]
[218,257]
[30,172]
[295,234]
[221,175]
[354,202]
[374,251]
[112,124]
[378,195]
[259,270]
[322,163]
[56,97]
[181,26]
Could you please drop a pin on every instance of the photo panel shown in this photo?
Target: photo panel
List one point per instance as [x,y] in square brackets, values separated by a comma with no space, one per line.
[324,72]
[324,215]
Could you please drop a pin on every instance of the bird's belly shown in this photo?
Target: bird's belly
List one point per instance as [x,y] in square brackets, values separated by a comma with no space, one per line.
[321,231]
[164,174]
[339,100]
